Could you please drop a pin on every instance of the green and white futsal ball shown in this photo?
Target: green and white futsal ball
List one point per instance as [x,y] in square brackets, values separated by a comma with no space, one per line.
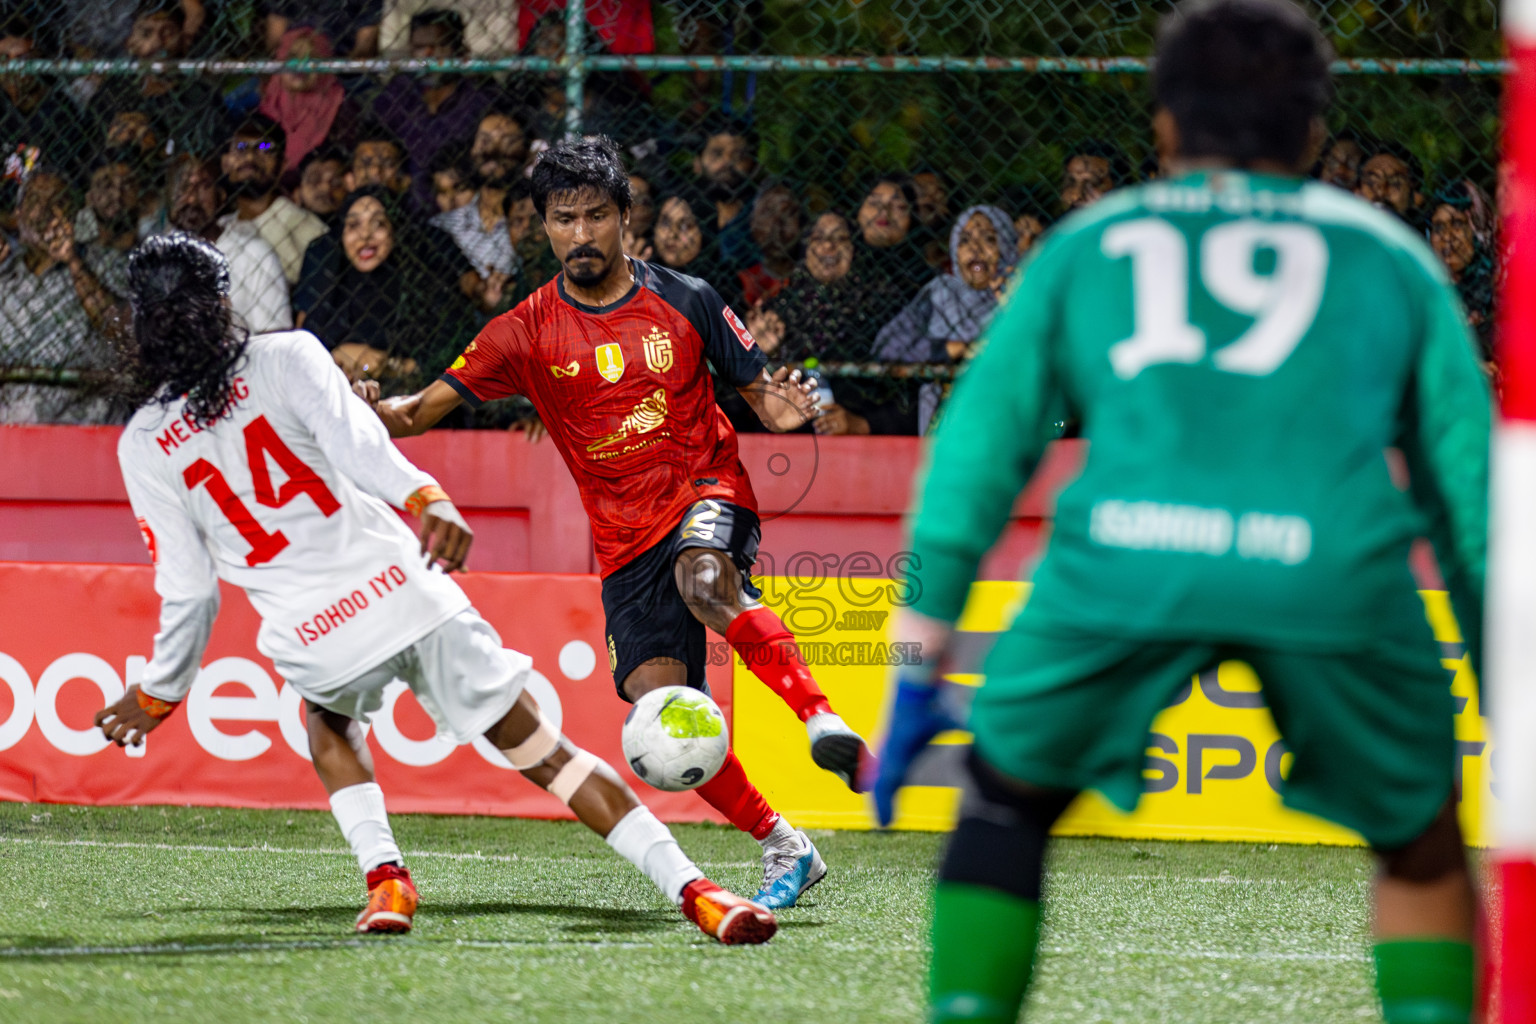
[675,738]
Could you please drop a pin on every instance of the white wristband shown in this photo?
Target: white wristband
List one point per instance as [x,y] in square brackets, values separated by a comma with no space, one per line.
[446,511]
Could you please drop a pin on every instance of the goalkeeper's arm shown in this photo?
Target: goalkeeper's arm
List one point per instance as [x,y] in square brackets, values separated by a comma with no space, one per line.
[1446,442]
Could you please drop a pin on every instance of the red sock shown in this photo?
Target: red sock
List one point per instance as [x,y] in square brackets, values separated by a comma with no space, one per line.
[773,656]
[386,871]
[732,794]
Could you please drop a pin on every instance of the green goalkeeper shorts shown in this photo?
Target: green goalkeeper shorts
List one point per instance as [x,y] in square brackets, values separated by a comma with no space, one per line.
[1372,731]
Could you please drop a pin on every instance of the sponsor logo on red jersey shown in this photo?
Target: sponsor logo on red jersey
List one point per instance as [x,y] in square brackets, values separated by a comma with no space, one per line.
[742,334]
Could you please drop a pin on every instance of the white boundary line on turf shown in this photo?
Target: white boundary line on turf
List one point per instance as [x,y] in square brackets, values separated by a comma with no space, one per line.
[502,858]
[1208,954]
[1229,880]
[179,948]
[26,952]
[512,858]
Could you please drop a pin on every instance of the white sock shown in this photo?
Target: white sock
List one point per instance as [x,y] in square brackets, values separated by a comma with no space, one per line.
[782,837]
[825,720]
[645,842]
[359,810]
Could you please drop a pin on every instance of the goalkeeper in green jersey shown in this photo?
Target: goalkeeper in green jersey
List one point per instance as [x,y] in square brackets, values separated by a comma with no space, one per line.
[1241,347]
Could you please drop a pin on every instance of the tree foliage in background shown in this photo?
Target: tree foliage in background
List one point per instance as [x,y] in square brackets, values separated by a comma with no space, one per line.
[995,133]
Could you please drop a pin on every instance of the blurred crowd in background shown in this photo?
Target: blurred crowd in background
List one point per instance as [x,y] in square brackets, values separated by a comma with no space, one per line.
[390,214]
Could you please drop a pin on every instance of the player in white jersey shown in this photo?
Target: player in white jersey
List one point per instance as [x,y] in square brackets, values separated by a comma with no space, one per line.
[251,460]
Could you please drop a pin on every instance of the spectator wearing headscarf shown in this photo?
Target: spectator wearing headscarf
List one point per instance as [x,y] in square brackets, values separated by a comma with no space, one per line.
[1461,233]
[888,249]
[311,106]
[949,314]
[378,300]
[828,311]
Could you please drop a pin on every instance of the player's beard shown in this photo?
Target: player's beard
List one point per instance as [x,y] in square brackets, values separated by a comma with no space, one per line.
[591,278]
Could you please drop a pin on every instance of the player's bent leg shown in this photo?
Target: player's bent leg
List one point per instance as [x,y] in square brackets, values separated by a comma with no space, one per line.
[338,748]
[1425,917]
[341,758]
[986,906]
[606,804]
[1386,774]
[791,862]
[712,587]
[730,792]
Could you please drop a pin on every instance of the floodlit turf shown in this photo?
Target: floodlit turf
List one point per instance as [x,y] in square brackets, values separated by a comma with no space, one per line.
[196,914]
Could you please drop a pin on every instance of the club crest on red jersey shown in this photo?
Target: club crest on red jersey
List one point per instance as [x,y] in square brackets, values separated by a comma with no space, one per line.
[742,334]
[610,362]
[658,350]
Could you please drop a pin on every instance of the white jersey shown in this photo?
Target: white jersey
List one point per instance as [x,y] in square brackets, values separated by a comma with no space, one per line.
[287,496]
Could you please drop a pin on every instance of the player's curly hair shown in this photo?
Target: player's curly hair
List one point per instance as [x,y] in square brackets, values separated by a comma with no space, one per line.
[185,341]
[589,164]
[1243,79]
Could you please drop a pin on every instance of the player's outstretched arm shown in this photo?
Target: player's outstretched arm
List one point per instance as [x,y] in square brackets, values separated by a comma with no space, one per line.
[784,401]
[996,426]
[189,602]
[1446,444]
[410,415]
[994,431]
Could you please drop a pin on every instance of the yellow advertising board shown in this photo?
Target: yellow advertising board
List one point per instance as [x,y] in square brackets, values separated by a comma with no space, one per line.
[1214,760]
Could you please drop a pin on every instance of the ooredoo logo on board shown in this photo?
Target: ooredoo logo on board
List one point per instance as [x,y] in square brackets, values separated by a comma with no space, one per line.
[74,637]
[211,708]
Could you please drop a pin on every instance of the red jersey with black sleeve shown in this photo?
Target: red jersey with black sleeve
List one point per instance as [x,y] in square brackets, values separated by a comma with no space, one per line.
[625,393]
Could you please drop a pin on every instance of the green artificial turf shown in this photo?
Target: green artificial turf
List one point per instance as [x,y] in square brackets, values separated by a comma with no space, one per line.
[198,914]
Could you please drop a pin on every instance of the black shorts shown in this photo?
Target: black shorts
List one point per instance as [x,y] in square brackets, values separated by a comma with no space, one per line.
[647,617]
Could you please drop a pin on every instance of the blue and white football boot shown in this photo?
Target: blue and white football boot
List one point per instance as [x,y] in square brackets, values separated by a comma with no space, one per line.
[788,871]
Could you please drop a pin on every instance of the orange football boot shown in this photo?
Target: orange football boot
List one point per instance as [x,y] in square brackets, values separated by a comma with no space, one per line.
[391,900]
[725,916]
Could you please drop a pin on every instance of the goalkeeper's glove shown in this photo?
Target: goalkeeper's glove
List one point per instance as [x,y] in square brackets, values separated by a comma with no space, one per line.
[919,712]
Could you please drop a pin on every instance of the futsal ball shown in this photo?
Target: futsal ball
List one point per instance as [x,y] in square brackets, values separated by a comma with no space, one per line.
[675,738]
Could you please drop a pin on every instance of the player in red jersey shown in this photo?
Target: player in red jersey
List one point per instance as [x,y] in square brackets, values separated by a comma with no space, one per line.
[612,353]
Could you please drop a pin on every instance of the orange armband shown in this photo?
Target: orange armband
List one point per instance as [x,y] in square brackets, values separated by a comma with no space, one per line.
[424,496]
[155,707]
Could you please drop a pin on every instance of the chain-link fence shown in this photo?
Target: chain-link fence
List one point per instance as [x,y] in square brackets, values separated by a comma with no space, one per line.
[363,163]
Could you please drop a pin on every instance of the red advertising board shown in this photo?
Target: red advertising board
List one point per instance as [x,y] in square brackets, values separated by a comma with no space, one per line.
[73,636]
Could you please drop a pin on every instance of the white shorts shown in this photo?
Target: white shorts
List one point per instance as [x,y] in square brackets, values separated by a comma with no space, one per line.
[461,675]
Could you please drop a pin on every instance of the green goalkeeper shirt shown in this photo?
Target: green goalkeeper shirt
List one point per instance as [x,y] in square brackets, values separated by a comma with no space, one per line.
[1241,351]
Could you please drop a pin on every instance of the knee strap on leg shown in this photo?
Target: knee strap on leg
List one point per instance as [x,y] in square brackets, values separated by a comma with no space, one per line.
[534,750]
[572,774]
[1000,839]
